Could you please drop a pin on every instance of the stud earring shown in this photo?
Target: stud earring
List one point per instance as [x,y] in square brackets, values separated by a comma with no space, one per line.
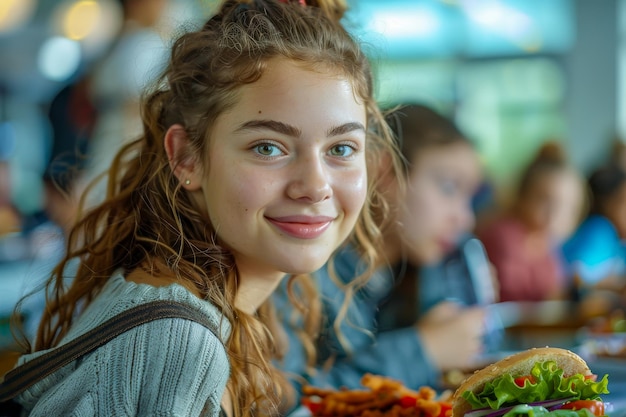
[187,181]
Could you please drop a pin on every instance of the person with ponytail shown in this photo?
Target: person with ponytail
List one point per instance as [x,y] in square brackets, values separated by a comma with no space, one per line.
[524,241]
[254,166]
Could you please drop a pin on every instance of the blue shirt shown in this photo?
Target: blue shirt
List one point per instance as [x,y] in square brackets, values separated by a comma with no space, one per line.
[595,251]
[378,342]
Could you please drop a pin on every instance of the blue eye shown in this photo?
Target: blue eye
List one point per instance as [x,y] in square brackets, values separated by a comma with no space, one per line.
[342,150]
[267,149]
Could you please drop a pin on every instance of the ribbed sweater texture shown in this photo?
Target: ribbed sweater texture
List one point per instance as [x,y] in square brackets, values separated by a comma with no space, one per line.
[167,367]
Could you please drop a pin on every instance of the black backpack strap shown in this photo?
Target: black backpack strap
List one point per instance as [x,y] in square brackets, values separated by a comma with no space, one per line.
[26,375]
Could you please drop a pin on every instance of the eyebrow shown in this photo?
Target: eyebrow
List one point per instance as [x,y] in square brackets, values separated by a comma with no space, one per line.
[289,130]
[345,128]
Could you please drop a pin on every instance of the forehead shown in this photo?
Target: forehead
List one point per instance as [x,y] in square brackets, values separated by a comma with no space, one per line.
[557,178]
[286,79]
[299,95]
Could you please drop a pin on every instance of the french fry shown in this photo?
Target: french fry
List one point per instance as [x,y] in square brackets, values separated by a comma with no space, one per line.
[384,397]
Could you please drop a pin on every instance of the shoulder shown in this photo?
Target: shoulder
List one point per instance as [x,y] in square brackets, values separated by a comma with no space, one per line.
[119,295]
[156,362]
[594,230]
[595,240]
[161,364]
[172,345]
[161,341]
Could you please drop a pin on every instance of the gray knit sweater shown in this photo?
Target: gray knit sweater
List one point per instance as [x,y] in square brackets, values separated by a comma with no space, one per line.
[167,367]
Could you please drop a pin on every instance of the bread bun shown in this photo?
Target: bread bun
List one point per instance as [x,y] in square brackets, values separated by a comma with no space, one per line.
[518,364]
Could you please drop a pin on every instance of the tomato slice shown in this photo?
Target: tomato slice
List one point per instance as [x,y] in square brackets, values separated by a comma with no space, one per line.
[596,407]
[521,381]
[592,377]
[446,410]
[408,401]
[313,406]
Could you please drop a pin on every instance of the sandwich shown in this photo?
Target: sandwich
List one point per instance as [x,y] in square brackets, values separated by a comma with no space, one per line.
[536,383]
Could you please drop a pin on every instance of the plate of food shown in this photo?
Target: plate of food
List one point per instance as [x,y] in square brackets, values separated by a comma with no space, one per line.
[605,336]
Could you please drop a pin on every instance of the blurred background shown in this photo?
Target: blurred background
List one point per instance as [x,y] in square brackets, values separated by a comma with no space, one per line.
[512,73]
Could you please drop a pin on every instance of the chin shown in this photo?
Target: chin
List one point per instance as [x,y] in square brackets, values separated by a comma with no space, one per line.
[304,266]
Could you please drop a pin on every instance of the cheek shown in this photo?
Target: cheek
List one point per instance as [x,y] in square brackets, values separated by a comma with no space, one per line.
[350,188]
[567,211]
[426,200]
[420,211]
[239,195]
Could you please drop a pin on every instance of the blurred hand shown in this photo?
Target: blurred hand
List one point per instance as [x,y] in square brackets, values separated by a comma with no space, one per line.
[452,335]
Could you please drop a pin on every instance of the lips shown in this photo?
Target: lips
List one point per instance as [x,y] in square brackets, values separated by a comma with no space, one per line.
[302,227]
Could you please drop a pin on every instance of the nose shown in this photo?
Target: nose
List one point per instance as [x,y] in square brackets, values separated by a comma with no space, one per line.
[310,180]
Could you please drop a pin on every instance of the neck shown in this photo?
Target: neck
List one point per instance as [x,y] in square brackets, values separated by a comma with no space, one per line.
[254,290]
[155,273]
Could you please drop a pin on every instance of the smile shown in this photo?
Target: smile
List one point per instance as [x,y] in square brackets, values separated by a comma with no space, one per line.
[302,227]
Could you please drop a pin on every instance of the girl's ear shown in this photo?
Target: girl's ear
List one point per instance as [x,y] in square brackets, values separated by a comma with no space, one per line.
[183,163]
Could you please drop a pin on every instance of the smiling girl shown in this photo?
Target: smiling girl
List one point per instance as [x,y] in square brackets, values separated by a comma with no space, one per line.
[253,165]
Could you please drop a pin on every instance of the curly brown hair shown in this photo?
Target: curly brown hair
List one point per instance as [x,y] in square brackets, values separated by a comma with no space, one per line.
[147,219]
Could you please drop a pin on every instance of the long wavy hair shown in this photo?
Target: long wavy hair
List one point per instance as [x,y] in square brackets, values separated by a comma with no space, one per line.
[148,219]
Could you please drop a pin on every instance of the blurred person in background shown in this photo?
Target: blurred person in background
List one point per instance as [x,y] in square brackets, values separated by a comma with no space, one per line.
[137,57]
[399,325]
[596,254]
[523,241]
[96,114]
[72,115]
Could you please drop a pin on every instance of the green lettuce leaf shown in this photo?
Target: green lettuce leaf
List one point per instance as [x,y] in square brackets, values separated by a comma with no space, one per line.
[549,384]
